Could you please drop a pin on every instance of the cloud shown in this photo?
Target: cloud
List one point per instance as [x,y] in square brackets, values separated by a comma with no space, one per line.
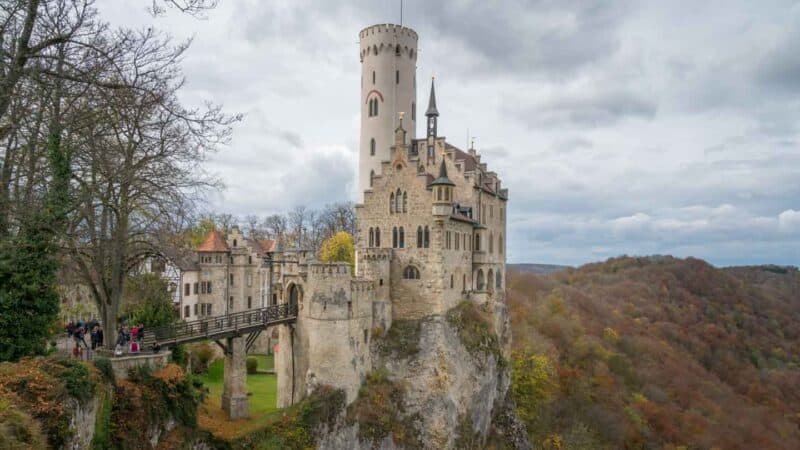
[610,137]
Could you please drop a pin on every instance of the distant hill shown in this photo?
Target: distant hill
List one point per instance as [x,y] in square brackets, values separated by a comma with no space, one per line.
[658,353]
[542,269]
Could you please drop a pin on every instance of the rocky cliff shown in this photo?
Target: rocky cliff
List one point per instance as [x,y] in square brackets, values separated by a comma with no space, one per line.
[440,382]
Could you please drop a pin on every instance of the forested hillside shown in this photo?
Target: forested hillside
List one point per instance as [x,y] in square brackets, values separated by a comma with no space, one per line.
[658,352]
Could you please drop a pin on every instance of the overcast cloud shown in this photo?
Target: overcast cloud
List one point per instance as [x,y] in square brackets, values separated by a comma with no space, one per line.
[619,127]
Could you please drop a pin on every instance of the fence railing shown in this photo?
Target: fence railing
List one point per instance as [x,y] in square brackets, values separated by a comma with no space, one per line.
[216,327]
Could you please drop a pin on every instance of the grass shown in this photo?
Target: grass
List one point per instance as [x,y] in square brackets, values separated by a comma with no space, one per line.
[262,388]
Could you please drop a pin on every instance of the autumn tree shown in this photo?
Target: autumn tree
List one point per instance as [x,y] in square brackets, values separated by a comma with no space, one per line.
[338,248]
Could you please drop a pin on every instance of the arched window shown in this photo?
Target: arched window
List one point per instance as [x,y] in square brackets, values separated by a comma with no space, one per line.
[499,281]
[489,279]
[294,295]
[491,243]
[377,237]
[405,202]
[398,198]
[372,147]
[371,177]
[394,237]
[419,237]
[234,242]
[479,282]
[371,237]
[402,241]
[373,72]
[426,238]
[500,244]
[391,203]
[411,273]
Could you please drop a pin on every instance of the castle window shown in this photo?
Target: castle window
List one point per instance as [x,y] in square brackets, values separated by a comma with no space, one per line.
[186,289]
[249,302]
[377,237]
[477,242]
[489,279]
[230,303]
[366,335]
[380,282]
[195,309]
[458,240]
[464,283]
[499,280]
[402,238]
[391,203]
[464,240]
[398,201]
[491,243]
[186,311]
[249,279]
[451,281]
[447,195]
[274,299]
[373,72]
[405,202]
[371,177]
[376,107]
[208,308]
[372,148]
[439,193]
[249,260]
[426,238]
[396,77]
[500,244]
[410,273]
[491,211]
[231,279]
[480,284]
[419,237]
[397,50]
[413,110]
[371,237]
[196,288]
[394,237]
[208,287]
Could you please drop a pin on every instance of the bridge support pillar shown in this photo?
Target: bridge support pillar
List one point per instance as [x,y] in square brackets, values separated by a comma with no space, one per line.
[234,390]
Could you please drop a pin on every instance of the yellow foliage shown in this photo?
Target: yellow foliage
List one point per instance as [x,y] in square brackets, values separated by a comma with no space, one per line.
[610,334]
[338,248]
[553,442]
[533,383]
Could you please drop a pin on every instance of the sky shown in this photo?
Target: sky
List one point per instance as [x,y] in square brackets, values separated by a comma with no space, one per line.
[619,127]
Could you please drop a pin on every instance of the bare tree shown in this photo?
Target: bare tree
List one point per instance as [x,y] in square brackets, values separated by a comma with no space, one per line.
[139,167]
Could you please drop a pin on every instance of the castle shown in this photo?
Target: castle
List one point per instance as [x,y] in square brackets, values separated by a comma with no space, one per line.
[431,233]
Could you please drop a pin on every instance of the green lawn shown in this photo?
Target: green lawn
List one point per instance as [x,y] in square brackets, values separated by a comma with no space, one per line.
[262,388]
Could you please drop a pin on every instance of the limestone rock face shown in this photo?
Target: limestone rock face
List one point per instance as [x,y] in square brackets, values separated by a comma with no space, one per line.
[453,396]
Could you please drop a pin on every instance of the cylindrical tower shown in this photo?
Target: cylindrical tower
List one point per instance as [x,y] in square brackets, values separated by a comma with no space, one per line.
[388,56]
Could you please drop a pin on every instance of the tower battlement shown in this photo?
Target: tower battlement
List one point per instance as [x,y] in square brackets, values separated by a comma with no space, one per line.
[387,28]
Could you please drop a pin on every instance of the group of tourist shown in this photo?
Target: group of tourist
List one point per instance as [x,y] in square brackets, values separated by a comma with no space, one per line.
[130,336]
[76,331]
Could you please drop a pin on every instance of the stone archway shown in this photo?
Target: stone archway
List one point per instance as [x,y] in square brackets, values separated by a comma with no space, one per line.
[294,294]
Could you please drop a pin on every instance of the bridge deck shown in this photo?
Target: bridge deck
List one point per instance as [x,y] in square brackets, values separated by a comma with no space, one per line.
[218,327]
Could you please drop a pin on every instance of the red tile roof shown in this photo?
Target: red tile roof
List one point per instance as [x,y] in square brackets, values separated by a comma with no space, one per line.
[213,243]
[267,245]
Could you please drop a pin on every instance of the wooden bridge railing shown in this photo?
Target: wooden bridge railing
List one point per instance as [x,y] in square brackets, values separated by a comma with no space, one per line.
[218,327]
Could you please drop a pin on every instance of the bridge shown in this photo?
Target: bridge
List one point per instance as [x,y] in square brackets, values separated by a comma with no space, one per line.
[235,333]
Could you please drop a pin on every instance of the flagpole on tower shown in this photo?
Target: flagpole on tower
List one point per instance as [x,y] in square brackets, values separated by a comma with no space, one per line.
[401,13]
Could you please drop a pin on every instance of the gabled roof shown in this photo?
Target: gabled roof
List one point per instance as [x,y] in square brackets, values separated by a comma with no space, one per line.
[267,245]
[213,243]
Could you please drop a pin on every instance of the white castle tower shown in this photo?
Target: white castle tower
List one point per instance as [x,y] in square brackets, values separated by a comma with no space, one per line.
[388,56]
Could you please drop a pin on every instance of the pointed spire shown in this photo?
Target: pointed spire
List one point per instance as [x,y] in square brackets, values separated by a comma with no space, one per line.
[432,111]
[443,178]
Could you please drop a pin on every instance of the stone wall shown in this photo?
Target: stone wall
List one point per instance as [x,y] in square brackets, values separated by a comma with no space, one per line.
[123,364]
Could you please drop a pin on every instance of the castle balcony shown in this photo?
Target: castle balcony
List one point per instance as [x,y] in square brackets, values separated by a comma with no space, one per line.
[481,257]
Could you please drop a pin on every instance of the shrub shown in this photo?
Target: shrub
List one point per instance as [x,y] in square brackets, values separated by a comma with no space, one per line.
[379,411]
[104,366]
[252,365]
[202,356]
[180,355]
[402,340]
[474,330]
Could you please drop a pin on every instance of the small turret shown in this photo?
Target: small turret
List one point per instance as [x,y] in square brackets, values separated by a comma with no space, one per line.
[442,191]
